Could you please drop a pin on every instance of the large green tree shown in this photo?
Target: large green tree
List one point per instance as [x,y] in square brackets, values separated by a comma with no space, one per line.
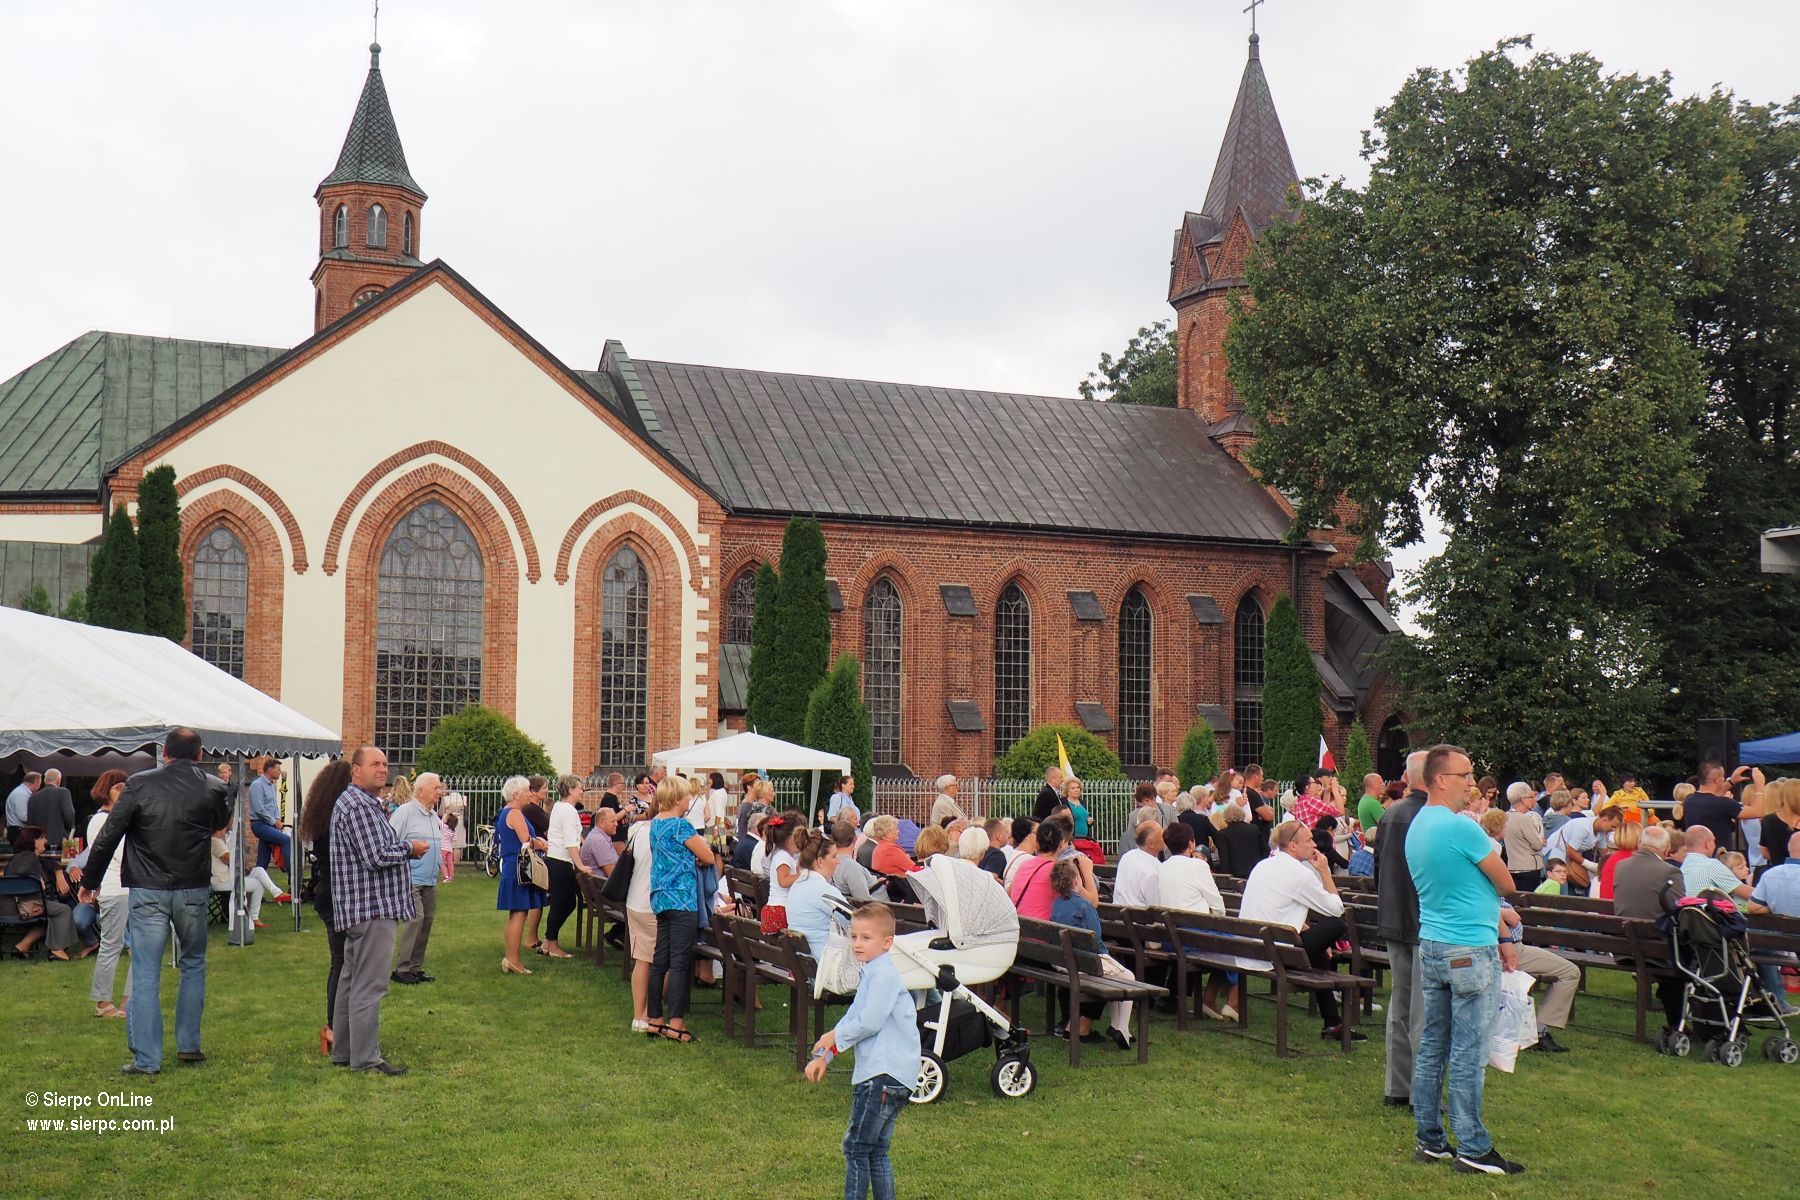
[116,577]
[765,618]
[1292,720]
[838,721]
[1492,329]
[802,637]
[159,546]
[1144,373]
[1730,634]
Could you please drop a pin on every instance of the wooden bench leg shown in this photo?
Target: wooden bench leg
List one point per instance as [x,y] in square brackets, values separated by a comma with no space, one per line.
[1281,1017]
[1143,1031]
[1181,992]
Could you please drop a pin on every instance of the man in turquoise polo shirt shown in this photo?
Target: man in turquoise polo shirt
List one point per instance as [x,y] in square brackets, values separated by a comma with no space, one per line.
[1460,879]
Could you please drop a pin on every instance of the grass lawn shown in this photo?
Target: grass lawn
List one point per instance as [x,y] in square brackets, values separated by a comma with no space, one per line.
[535,1086]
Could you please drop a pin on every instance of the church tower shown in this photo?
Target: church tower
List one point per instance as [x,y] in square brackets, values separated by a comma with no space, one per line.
[368,210]
[1250,189]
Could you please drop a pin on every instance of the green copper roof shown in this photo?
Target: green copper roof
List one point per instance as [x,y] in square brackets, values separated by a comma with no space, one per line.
[372,152]
[69,415]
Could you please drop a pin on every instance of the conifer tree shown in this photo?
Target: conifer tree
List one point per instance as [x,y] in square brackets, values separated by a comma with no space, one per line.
[1292,722]
[159,549]
[116,584]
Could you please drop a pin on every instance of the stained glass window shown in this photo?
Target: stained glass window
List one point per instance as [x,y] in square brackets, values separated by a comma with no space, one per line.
[1248,675]
[740,607]
[624,661]
[1012,668]
[428,624]
[221,601]
[881,669]
[1134,678]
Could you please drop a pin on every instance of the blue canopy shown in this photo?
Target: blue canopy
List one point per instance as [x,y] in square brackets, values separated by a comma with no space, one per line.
[1783,749]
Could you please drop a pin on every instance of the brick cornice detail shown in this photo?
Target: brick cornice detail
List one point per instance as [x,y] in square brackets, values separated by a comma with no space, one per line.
[257,488]
[421,450]
[594,511]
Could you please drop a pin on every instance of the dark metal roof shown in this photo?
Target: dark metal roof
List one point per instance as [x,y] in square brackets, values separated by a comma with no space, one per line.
[1093,716]
[959,599]
[734,677]
[61,567]
[1355,625]
[1218,716]
[1255,169]
[834,595]
[372,152]
[1086,606]
[1206,609]
[768,442]
[71,414]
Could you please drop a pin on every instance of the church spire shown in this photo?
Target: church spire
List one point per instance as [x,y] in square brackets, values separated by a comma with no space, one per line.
[1255,168]
[369,210]
[372,151]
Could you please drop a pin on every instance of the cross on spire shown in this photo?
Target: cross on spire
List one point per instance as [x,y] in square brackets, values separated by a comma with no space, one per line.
[375,28]
[1250,8]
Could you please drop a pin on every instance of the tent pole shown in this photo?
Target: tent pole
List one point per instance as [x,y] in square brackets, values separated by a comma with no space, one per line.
[295,852]
[241,934]
[812,804]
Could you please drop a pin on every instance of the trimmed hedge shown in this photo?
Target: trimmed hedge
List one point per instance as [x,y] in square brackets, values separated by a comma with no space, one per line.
[1035,753]
[482,741]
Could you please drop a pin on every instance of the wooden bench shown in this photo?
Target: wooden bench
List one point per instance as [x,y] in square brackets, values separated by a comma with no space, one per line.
[1219,943]
[1601,941]
[759,959]
[1061,956]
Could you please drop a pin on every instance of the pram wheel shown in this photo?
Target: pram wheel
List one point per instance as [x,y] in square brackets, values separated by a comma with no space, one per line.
[1014,1078]
[1662,1041]
[929,1088]
[1731,1054]
[1782,1050]
[1680,1044]
[1712,1049]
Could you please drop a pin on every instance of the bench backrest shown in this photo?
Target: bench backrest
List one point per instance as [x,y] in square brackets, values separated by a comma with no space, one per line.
[1047,944]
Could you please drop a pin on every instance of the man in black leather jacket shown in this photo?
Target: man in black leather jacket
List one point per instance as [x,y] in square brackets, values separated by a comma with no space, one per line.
[166,818]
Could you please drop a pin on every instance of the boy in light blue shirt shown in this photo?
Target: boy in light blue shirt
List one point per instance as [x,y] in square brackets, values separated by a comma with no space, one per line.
[882,1026]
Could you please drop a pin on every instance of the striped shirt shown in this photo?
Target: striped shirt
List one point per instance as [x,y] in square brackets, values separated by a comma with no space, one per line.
[369,876]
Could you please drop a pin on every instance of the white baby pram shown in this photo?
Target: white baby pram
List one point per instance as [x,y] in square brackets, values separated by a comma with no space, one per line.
[973,939]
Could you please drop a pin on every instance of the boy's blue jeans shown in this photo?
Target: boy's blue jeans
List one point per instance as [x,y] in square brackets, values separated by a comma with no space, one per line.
[875,1106]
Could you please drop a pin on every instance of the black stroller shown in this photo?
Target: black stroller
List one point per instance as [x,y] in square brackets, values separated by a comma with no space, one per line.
[1709,945]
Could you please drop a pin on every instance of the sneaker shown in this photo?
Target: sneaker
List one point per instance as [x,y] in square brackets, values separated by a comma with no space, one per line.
[190,1056]
[1397,1101]
[1332,1032]
[384,1067]
[1430,1154]
[132,1068]
[1228,1012]
[398,977]
[1549,1045]
[1487,1164]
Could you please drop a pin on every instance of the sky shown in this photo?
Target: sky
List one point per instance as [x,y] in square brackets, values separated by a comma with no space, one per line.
[970,193]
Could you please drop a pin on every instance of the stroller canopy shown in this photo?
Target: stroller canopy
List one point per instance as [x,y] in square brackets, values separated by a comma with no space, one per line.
[966,902]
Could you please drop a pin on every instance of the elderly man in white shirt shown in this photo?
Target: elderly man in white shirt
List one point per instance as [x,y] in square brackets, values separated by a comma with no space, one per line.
[1136,885]
[945,808]
[1293,887]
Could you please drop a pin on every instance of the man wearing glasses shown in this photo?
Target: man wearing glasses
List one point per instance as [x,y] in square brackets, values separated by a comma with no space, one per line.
[1461,881]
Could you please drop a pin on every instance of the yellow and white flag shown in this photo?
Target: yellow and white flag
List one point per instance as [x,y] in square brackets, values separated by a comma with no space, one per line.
[1062,758]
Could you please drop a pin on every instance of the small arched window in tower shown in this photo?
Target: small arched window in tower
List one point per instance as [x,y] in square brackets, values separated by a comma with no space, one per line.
[340,228]
[1134,679]
[377,232]
[364,296]
[406,235]
[1247,674]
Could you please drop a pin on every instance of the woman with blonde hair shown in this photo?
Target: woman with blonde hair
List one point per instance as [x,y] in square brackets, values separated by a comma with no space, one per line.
[1783,819]
[513,832]
[677,851]
[1625,841]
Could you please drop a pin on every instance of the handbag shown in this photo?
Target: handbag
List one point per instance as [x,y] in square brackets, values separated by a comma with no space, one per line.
[618,884]
[533,870]
[32,908]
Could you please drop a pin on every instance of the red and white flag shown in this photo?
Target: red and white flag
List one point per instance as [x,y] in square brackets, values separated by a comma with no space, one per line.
[1325,759]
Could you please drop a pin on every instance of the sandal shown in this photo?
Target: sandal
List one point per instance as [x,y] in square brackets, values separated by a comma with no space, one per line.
[105,1009]
[654,1029]
[678,1035]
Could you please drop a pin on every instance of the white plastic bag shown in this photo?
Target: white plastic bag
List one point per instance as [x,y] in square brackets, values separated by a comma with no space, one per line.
[1515,1029]
[839,971]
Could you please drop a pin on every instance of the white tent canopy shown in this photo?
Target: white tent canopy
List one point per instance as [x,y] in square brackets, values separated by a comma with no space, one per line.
[747,751]
[65,686]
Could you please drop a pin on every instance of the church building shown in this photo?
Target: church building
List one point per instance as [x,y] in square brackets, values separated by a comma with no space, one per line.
[429,530]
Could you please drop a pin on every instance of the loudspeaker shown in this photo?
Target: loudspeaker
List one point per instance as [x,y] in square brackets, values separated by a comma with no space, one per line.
[1719,741]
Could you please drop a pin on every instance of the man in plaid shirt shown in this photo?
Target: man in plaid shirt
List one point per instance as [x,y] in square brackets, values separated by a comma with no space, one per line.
[1314,797]
[371,892]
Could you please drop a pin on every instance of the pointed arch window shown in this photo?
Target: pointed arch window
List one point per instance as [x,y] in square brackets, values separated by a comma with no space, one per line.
[1012,668]
[429,609]
[1247,674]
[221,601]
[881,669]
[406,234]
[376,234]
[740,608]
[1134,678]
[340,228]
[624,660]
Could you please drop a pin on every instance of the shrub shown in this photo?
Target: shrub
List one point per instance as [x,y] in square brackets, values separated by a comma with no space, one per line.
[1292,722]
[1358,761]
[1033,754]
[481,741]
[1199,759]
[36,599]
[838,721]
[76,608]
[159,546]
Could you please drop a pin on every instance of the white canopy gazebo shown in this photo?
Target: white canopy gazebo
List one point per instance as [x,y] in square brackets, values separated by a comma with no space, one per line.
[67,687]
[747,751]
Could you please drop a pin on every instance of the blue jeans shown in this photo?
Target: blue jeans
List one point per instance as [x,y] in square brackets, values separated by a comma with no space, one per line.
[875,1106]
[153,911]
[1459,997]
[86,916]
[267,838]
